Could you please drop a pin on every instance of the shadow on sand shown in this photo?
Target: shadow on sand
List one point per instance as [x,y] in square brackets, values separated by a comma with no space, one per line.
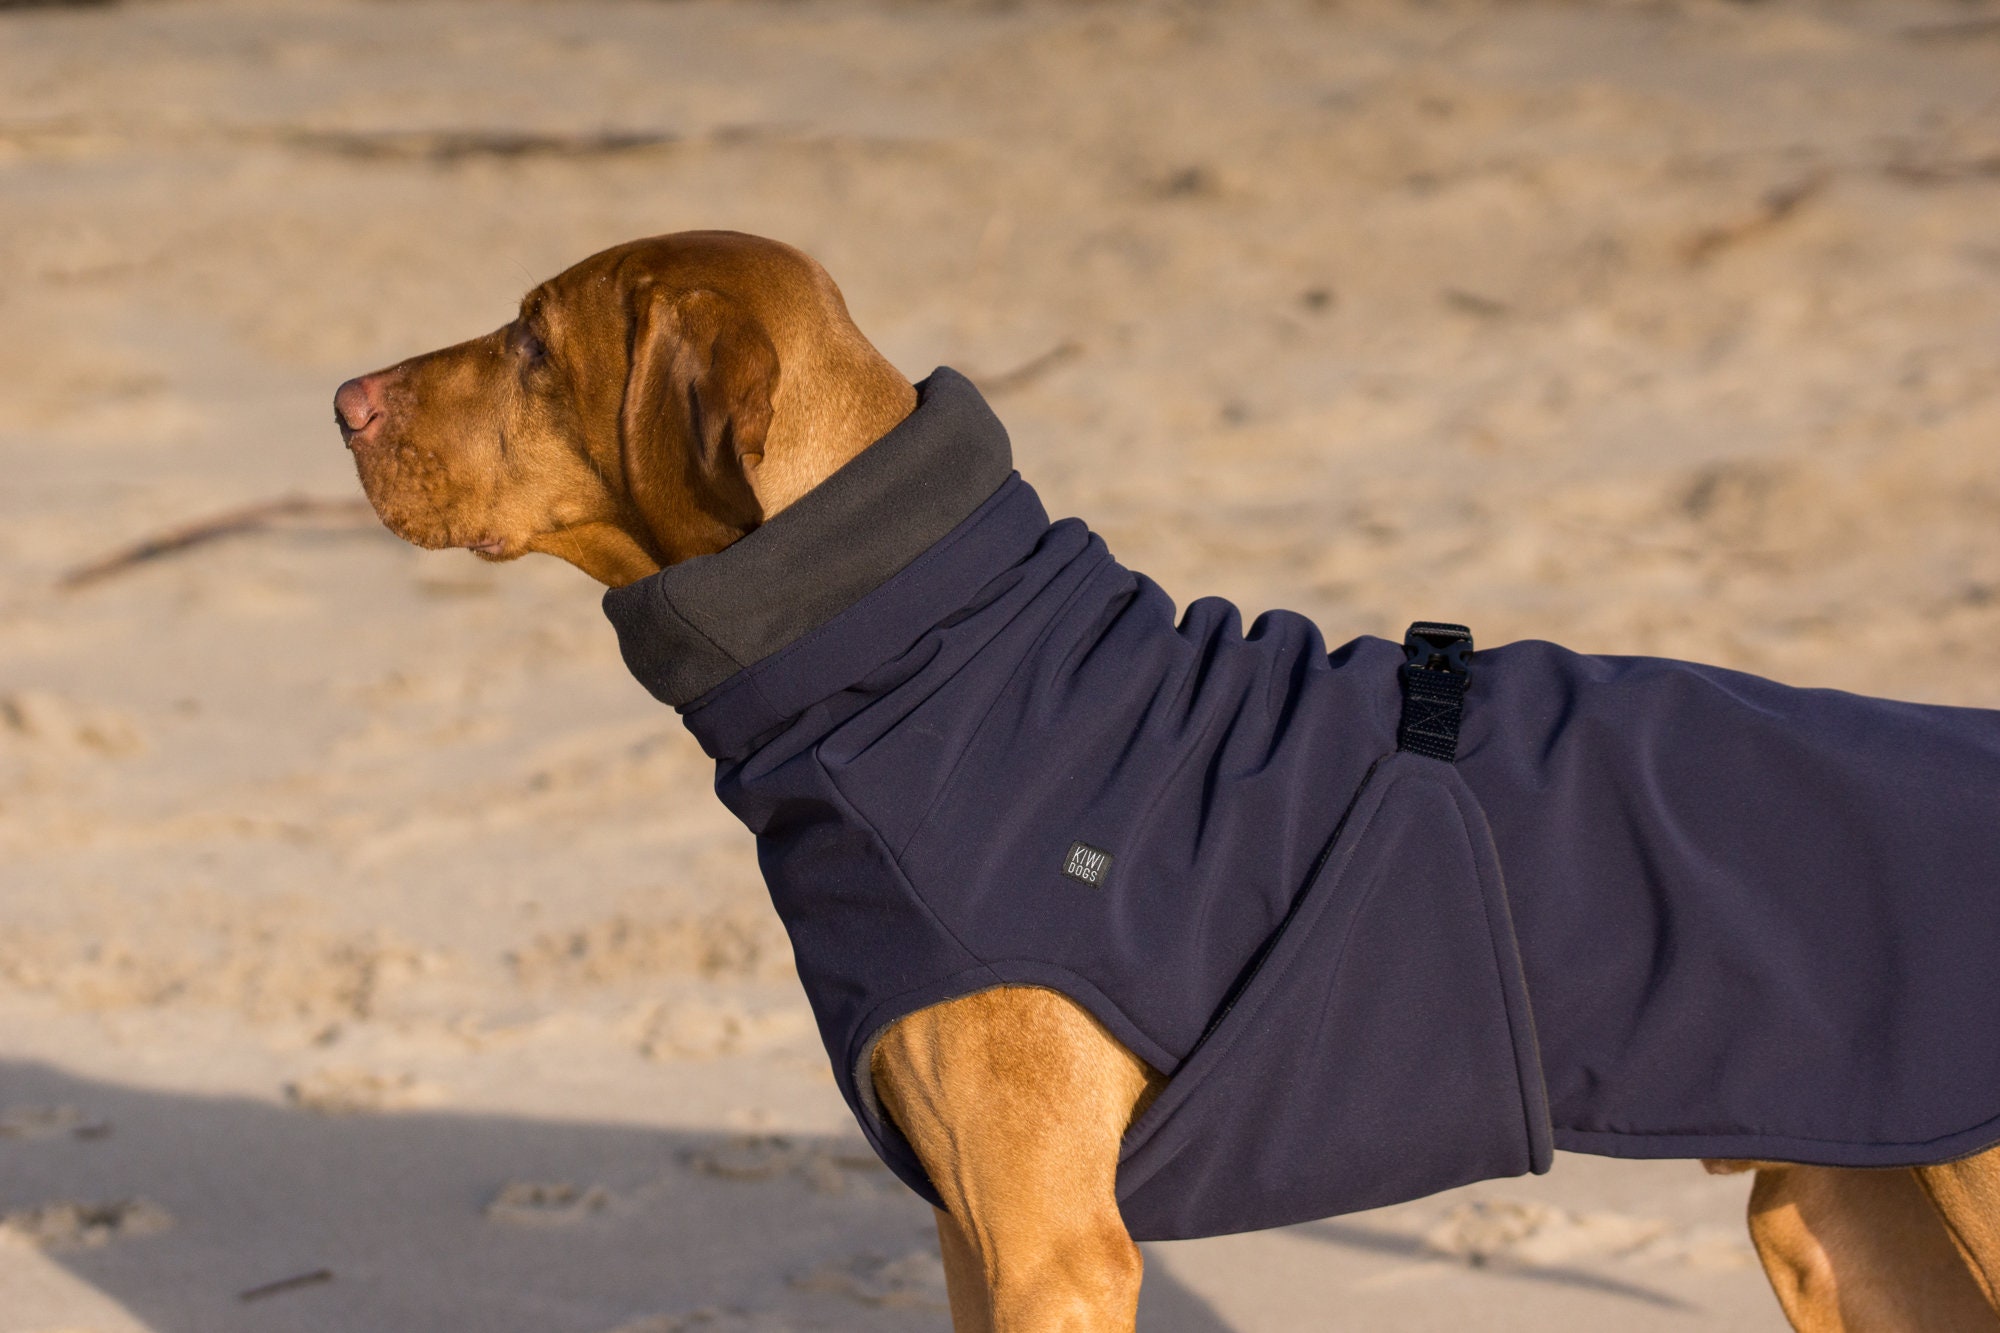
[454,1222]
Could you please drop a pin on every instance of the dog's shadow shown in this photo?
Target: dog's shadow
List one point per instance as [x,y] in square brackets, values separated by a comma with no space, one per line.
[203,1215]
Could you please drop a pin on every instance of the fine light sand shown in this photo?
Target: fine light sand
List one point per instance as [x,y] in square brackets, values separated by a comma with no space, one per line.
[363,924]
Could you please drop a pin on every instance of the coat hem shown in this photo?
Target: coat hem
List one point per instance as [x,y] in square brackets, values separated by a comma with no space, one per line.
[1781,1147]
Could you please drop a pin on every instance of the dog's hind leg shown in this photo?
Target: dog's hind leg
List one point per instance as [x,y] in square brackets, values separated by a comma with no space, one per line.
[1016,1101]
[1862,1252]
[1967,1195]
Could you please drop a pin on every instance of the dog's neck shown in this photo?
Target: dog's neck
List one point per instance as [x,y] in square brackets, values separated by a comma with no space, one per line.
[829,407]
[687,629]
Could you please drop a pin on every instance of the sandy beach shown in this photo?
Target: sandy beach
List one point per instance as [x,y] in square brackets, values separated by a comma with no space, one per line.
[373,955]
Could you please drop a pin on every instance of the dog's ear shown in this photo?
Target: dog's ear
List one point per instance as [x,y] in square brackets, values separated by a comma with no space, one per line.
[697,408]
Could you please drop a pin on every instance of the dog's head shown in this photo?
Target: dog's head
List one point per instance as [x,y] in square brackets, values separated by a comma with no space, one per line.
[654,402]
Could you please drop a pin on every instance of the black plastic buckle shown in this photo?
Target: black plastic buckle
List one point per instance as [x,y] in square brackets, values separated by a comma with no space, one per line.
[1433,646]
[1437,669]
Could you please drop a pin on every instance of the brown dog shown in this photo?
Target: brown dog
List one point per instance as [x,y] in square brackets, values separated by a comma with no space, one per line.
[660,400]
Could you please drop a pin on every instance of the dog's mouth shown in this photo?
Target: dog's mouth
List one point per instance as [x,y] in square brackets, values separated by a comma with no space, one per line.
[492,548]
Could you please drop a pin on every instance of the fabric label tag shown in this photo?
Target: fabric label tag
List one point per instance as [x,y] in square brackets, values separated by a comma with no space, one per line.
[1086,864]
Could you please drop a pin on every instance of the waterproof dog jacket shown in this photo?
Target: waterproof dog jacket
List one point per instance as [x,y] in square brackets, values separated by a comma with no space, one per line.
[1652,909]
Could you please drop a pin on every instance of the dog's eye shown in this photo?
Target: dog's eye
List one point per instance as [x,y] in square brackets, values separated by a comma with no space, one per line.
[529,347]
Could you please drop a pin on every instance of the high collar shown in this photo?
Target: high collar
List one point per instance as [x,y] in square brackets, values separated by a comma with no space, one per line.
[690,627]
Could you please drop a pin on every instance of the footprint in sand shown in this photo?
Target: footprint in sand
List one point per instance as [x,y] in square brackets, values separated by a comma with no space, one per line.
[48,1122]
[911,1281]
[827,1169]
[719,946]
[68,1225]
[1510,1231]
[748,1157]
[706,1320]
[348,1091]
[697,1030]
[52,722]
[528,1203]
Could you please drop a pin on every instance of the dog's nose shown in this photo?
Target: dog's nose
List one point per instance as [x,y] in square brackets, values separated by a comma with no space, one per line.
[356,407]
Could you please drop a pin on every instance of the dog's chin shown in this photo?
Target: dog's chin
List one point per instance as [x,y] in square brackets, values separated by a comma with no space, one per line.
[428,534]
[432,532]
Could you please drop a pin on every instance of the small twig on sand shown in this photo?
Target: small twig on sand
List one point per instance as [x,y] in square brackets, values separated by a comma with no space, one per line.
[1942,171]
[1021,376]
[284,1284]
[250,518]
[450,146]
[1957,31]
[1778,204]
[1472,303]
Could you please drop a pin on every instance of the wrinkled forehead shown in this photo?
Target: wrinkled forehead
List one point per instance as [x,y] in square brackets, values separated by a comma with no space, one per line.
[768,277]
[570,299]
[591,296]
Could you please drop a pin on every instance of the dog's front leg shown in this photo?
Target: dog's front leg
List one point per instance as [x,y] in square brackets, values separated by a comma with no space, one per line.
[1016,1101]
[965,1283]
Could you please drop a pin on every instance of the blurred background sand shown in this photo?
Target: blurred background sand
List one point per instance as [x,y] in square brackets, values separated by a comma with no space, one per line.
[361,922]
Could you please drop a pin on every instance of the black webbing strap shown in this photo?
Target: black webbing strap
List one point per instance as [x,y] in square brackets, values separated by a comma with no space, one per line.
[1434,680]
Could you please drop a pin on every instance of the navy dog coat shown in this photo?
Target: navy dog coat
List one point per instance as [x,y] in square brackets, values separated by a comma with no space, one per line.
[1652,909]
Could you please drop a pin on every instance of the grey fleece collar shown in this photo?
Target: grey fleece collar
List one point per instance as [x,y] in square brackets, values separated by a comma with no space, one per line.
[690,627]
